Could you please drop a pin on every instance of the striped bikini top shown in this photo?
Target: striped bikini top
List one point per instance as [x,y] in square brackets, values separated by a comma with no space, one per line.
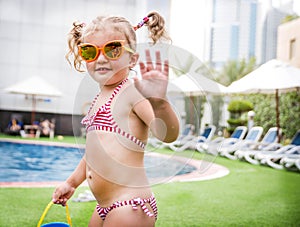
[103,119]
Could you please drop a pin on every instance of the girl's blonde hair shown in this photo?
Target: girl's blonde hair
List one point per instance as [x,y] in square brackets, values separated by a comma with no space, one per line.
[155,23]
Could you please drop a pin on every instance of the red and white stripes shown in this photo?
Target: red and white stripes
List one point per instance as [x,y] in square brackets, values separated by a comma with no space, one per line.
[103,211]
[103,119]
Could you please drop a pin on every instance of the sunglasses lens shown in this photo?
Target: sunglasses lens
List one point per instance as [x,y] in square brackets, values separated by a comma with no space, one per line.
[113,50]
[88,52]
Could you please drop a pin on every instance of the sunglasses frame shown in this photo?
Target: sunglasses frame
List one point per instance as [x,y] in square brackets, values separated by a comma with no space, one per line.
[101,49]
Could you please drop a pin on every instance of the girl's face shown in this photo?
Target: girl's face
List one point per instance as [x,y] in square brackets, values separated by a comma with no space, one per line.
[105,71]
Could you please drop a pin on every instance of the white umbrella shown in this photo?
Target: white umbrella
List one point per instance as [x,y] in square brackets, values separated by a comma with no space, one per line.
[34,86]
[272,77]
[194,85]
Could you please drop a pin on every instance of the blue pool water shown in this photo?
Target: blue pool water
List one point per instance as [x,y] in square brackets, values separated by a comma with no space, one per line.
[39,163]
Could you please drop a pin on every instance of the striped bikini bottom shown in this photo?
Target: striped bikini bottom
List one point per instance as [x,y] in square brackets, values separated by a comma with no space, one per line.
[103,211]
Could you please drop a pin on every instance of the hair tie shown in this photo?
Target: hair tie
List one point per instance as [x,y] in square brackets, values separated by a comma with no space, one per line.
[79,24]
[139,25]
[82,24]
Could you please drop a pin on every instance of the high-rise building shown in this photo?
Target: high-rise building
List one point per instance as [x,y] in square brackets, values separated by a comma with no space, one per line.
[272,20]
[244,29]
[233,30]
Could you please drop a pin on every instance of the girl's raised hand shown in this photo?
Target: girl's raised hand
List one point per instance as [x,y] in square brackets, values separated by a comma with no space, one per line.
[155,77]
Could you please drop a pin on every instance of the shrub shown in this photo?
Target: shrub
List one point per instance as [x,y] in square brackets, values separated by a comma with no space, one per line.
[236,109]
[239,106]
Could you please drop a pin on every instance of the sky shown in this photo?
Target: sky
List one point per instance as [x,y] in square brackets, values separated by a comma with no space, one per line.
[276,3]
[297,7]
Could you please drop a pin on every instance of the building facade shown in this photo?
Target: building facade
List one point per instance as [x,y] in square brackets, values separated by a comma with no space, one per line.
[288,43]
[33,42]
[241,29]
[233,30]
[273,19]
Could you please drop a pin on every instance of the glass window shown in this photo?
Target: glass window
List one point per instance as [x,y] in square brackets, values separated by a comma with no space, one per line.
[292,48]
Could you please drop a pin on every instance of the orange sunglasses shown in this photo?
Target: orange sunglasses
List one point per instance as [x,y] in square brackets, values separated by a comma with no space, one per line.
[112,50]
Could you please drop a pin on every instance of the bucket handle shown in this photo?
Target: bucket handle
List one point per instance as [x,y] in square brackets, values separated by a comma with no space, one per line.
[46,211]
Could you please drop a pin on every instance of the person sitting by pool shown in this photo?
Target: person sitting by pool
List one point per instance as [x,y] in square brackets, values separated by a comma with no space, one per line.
[46,128]
[14,127]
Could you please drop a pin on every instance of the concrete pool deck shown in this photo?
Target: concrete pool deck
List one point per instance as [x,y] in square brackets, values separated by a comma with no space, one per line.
[204,170]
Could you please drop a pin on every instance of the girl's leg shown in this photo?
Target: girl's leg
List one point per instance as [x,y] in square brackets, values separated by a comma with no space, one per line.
[95,220]
[126,216]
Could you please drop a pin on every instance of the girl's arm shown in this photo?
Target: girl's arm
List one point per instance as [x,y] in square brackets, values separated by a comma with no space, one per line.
[79,174]
[64,191]
[165,126]
[153,86]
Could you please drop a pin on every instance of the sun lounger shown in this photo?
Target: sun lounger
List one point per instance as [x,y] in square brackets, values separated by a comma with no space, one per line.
[212,146]
[291,162]
[256,157]
[252,138]
[187,134]
[269,139]
[274,160]
[205,136]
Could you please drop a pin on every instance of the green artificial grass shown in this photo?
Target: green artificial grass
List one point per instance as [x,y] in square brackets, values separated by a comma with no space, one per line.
[249,196]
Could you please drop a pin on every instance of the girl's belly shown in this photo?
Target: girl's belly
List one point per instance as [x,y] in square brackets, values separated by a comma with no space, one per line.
[107,192]
[114,172]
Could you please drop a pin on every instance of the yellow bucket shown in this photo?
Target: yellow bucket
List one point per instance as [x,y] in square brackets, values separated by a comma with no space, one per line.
[54,224]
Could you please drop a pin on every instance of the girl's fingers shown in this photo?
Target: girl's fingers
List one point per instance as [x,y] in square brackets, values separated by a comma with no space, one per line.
[149,61]
[143,68]
[166,68]
[55,196]
[158,61]
[158,65]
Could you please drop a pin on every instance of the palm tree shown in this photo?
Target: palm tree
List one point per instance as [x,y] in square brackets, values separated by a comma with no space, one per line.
[290,17]
[235,69]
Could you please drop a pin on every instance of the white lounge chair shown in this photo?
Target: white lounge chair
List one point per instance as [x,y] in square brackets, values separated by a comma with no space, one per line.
[205,136]
[212,146]
[186,135]
[291,162]
[274,160]
[293,150]
[267,142]
[259,156]
[252,138]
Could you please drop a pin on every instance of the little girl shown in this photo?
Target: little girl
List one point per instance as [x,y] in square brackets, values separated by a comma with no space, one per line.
[119,119]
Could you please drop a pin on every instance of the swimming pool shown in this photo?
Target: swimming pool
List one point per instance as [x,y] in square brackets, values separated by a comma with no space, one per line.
[22,162]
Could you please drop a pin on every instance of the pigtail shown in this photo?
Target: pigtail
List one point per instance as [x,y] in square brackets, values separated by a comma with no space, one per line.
[156,27]
[74,39]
